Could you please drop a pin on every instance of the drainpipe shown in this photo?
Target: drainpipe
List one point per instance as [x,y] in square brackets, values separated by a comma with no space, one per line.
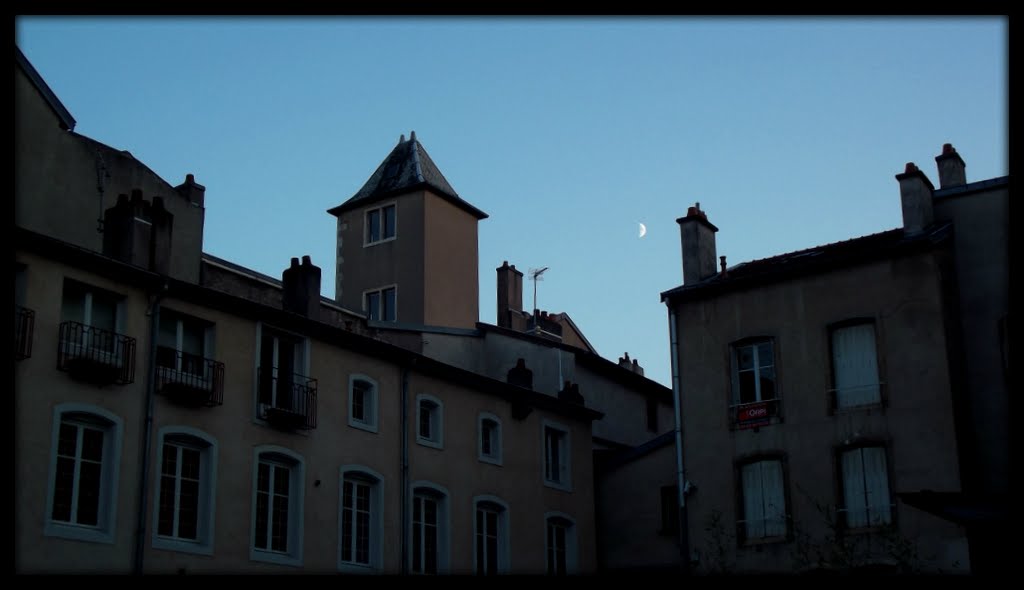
[406,525]
[147,432]
[684,534]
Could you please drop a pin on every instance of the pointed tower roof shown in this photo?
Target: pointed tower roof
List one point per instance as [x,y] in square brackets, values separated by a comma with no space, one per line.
[408,167]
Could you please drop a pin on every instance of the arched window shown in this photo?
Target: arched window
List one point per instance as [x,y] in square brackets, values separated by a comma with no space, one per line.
[490,536]
[560,544]
[277,506]
[429,553]
[489,446]
[360,520]
[186,483]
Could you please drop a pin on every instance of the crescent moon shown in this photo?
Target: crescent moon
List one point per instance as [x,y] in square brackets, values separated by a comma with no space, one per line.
[643,230]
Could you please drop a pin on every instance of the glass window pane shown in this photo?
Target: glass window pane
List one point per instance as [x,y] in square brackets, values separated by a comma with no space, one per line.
[188,510]
[88,493]
[389,221]
[745,357]
[67,440]
[764,354]
[63,488]
[767,376]
[373,225]
[165,518]
[389,313]
[104,312]
[92,444]
[748,387]
[373,305]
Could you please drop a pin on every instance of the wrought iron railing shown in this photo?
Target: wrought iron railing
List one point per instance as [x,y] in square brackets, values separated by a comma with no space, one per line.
[189,379]
[99,356]
[24,325]
[287,400]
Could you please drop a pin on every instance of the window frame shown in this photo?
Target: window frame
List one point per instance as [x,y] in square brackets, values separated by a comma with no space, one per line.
[495,457]
[375,481]
[440,495]
[841,507]
[373,405]
[304,343]
[502,552]
[556,518]
[274,454]
[833,392]
[208,451]
[564,452]
[436,439]
[113,434]
[379,209]
[380,291]
[773,406]
[743,537]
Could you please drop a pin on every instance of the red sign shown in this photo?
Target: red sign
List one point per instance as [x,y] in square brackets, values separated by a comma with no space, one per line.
[752,415]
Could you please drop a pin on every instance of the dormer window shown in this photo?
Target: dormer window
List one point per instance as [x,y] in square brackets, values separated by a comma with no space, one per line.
[380,224]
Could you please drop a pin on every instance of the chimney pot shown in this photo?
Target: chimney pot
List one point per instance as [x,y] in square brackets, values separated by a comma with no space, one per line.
[947,148]
[412,136]
[295,262]
[952,170]
[306,260]
[401,138]
[189,178]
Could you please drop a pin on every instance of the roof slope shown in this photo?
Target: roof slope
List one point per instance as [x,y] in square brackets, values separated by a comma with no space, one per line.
[408,167]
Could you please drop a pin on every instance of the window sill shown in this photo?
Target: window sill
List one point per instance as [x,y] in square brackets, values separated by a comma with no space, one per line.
[565,487]
[368,427]
[765,541]
[276,558]
[378,242]
[868,408]
[182,546]
[358,568]
[491,460]
[426,442]
[77,533]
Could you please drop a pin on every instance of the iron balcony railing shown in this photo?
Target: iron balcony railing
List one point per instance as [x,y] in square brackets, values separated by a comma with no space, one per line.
[189,379]
[287,400]
[24,325]
[98,356]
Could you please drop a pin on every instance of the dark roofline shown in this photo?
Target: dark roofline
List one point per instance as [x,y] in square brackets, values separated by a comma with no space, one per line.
[383,196]
[619,458]
[240,307]
[66,120]
[900,244]
[971,187]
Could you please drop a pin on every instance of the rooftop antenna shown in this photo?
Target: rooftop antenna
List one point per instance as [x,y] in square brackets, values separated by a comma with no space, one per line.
[535,275]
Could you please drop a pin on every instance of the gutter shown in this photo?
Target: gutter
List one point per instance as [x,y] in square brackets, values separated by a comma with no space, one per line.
[684,533]
[147,432]
[406,525]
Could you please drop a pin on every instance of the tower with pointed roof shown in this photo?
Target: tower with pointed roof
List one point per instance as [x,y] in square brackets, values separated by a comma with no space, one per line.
[407,245]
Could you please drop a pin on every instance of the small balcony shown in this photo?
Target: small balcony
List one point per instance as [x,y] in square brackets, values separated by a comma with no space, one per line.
[188,379]
[287,400]
[96,356]
[24,324]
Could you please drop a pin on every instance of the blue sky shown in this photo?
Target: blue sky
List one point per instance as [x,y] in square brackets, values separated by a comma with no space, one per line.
[566,131]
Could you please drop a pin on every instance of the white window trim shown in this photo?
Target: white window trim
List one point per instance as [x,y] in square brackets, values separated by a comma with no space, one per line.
[372,404]
[565,454]
[503,532]
[366,226]
[306,349]
[495,458]
[437,441]
[376,520]
[443,523]
[296,502]
[207,493]
[735,365]
[381,289]
[109,483]
[571,542]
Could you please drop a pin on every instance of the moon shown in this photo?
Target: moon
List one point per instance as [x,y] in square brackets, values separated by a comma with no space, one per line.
[643,230]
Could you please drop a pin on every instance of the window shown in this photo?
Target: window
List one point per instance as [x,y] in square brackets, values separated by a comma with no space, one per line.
[764,501]
[652,414]
[556,456]
[560,544]
[91,307]
[286,396]
[855,366]
[490,439]
[669,510]
[429,421]
[90,346]
[754,392]
[380,224]
[866,498]
[277,506]
[186,481]
[361,532]
[82,489]
[429,529]
[380,304]
[362,403]
[183,343]
[490,532]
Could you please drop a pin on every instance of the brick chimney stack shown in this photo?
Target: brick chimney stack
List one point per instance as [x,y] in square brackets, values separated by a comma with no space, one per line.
[697,235]
[510,293]
[192,191]
[302,288]
[139,232]
[916,198]
[952,170]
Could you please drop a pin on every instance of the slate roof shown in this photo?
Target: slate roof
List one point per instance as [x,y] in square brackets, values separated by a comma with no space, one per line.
[408,167]
[812,260]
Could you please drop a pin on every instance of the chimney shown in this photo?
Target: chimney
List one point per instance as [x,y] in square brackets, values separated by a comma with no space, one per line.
[520,375]
[952,170]
[138,233]
[510,293]
[192,191]
[571,393]
[160,249]
[624,362]
[916,198]
[302,288]
[637,368]
[698,241]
